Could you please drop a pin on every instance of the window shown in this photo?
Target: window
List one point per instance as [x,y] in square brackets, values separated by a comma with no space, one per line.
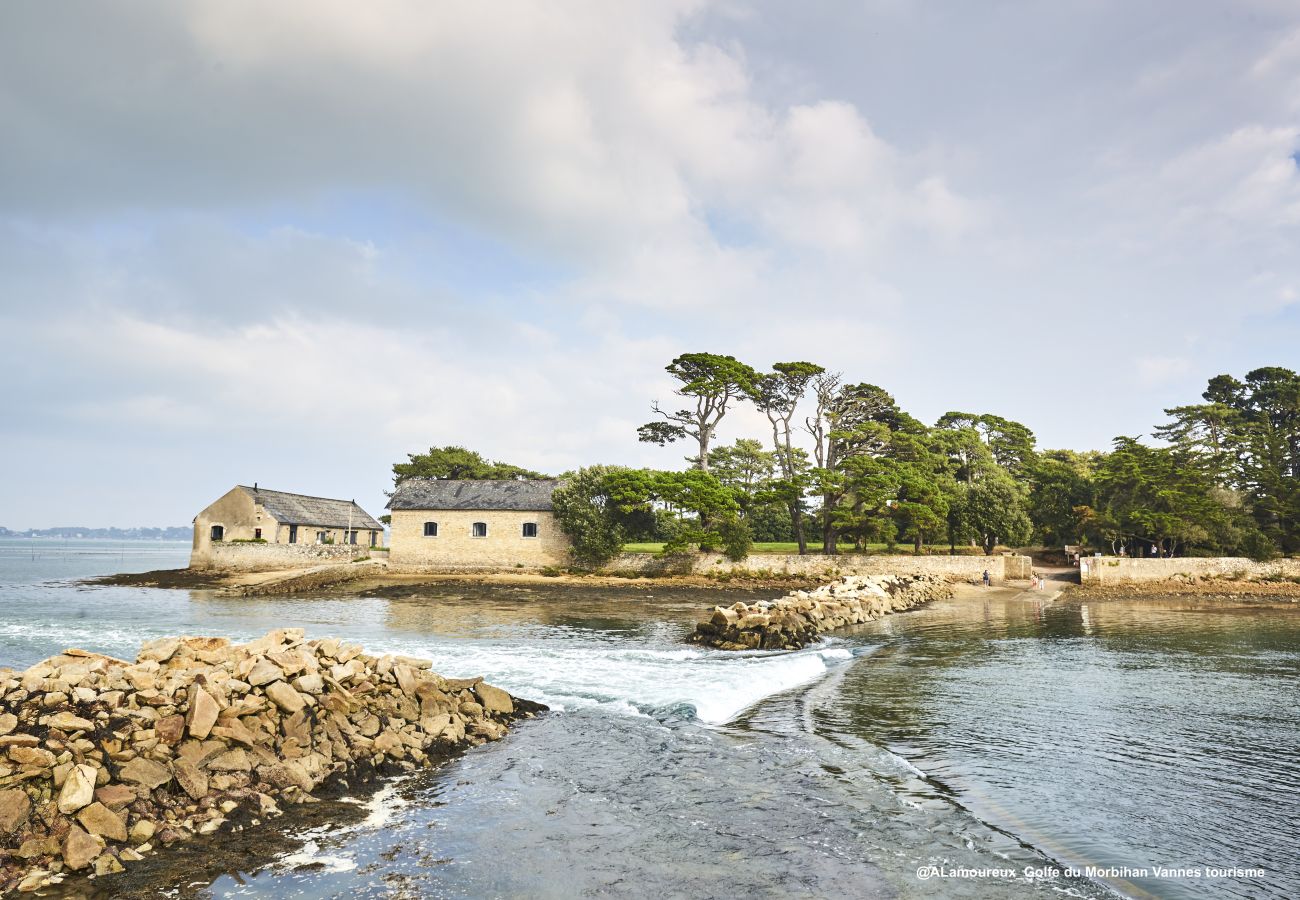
[430,529]
[322,536]
[479,529]
[257,534]
[374,538]
[218,533]
[293,534]
[530,529]
[352,538]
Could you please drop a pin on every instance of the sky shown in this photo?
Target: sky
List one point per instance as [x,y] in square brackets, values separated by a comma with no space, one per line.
[293,242]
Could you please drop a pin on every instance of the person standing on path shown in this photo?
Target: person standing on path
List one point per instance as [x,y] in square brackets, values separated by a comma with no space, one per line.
[987,581]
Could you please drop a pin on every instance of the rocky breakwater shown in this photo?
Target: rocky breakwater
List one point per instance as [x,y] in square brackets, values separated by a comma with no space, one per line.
[104,761]
[799,618]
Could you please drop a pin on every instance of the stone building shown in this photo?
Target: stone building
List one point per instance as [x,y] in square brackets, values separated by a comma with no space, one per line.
[448,524]
[253,515]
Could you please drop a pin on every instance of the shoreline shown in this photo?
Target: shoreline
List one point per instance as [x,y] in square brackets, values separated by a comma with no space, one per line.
[370,580]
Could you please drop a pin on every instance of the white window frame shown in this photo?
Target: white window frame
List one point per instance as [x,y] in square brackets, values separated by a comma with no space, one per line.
[473,530]
[523,531]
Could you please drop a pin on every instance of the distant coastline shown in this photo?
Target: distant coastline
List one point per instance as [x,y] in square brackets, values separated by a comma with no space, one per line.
[171,533]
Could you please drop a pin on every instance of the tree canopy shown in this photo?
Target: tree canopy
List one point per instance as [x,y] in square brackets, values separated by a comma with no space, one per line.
[712,383]
[453,462]
[1222,477]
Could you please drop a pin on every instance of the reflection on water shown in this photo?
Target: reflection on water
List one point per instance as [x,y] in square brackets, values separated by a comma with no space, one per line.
[1119,733]
[980,733]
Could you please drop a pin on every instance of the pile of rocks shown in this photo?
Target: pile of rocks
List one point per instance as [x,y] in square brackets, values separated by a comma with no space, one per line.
[799,618]
[102,761]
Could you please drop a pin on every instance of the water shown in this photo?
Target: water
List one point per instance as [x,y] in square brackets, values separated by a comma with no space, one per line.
[1007,734]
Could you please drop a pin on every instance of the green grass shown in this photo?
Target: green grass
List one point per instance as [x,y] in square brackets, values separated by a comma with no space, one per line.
[785,547]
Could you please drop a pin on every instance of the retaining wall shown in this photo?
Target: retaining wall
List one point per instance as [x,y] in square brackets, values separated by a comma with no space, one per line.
[1128,570]
[235,557]
[1000,568]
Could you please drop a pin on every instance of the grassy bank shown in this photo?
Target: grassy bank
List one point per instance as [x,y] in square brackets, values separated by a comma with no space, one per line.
[815,548]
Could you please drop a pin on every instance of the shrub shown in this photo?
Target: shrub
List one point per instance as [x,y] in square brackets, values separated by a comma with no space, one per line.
[733,534]
[589,516]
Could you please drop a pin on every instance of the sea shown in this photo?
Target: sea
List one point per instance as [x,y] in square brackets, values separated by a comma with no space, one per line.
[987,747]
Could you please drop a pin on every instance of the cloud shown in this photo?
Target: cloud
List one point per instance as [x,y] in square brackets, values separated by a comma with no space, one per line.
[593,134]
[295,242]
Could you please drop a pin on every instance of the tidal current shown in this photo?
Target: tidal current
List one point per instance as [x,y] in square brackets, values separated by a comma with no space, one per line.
[942,752]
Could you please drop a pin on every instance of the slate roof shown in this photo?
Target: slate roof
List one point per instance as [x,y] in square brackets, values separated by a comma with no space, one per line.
[299,509]
[434,493]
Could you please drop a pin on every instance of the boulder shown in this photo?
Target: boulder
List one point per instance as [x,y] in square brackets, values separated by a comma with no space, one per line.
[142,831]
[263,672]
[202,715]
[66,721]
[234,730]
[170,729]
[285,697]
[78,789]
[115,796]
[107,864]
[80,848]
[191,778]
[146,772]
[494,699]
[15,806]
[99,820]
[231,761]
[160,650]
[309,683]
[32,757]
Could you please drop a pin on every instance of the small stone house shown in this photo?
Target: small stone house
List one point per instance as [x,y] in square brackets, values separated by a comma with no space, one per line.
[450,524]
[253,514]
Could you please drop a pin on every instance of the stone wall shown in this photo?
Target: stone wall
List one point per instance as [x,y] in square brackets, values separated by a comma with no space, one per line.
[1017,568]
[1000,568]
[227,556]
[455,548]
[1128,570]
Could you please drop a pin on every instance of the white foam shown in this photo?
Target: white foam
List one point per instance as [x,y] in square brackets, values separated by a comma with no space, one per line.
[310,855]
[632,680]
[383,805]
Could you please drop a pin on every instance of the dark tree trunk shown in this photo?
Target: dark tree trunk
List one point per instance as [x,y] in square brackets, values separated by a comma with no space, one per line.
[796,520]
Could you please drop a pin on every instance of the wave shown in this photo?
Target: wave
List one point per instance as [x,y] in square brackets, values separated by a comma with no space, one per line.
[711,686]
